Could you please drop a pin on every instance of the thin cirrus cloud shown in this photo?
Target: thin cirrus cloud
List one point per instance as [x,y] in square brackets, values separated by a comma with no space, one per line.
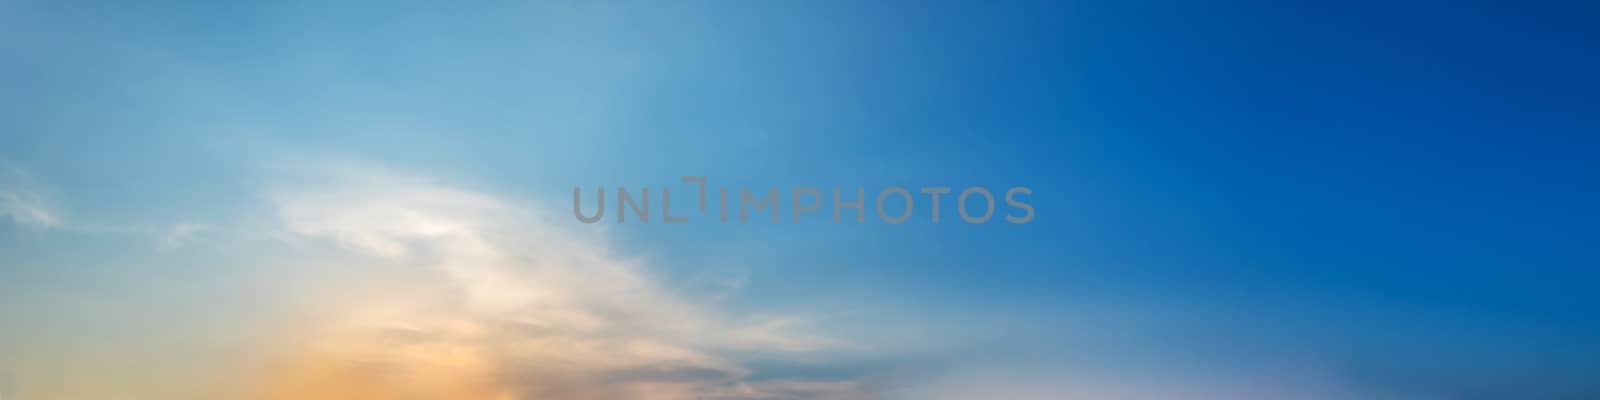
[25,201]
[27,208]
[517,308]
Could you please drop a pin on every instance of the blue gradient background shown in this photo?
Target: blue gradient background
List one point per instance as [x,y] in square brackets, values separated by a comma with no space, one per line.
[1398,194]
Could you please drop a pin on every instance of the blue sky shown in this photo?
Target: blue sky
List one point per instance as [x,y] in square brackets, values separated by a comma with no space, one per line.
[1234,200]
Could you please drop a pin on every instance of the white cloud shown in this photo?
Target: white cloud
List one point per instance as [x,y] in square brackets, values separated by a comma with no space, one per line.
[23,203]
[27,208]
[182,233]
[520,308]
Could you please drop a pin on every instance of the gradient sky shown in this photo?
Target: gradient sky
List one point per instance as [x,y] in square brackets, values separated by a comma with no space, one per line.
[1235,200]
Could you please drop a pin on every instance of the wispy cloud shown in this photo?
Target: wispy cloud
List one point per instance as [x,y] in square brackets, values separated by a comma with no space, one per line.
[182,233]
[519,308]
[23,202]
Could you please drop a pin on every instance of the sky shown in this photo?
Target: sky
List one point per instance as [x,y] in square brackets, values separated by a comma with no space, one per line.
[372,200]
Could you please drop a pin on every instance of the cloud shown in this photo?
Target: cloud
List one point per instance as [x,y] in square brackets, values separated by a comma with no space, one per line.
[23,203]
[182,233]
[27,208]
[511,307]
